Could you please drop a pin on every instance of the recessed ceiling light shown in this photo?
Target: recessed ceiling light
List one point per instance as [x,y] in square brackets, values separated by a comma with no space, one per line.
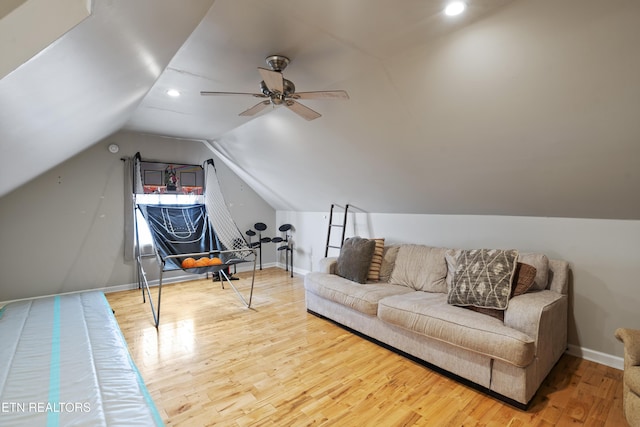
[455,8]
[173,93]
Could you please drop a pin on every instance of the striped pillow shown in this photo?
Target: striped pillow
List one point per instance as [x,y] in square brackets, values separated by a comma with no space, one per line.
[376,261]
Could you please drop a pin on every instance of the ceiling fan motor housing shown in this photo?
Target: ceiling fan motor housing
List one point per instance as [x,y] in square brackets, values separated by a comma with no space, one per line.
[288,86]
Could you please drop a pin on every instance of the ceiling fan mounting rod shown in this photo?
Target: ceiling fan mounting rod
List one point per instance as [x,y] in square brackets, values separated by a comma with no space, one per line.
[277,62]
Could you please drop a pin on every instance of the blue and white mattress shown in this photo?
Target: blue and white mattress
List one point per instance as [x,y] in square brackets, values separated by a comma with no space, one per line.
[64,362]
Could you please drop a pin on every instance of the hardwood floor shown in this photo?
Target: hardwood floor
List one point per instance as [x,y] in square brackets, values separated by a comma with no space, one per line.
[212,361]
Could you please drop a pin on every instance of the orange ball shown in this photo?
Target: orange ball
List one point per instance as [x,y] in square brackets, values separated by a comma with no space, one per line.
[215,261]
[202,262]
[188,263]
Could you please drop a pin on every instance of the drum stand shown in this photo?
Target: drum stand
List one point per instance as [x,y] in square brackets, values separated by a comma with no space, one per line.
[260,227]
[287,247]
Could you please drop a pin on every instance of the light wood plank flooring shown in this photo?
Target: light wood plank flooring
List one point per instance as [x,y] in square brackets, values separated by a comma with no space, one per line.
[214,362]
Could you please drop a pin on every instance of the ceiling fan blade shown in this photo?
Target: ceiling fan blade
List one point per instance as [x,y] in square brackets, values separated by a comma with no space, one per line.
[257,95]
[273,79]
[327,94]
[304,112]
[255,109]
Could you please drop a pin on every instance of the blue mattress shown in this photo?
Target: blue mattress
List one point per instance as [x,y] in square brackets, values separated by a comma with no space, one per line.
[64,361]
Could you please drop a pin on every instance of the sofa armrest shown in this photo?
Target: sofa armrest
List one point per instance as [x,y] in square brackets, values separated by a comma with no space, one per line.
[328,265]
[631,340]
[543,316]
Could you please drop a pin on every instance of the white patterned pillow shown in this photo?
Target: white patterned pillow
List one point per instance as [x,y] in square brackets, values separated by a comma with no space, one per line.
[483,278]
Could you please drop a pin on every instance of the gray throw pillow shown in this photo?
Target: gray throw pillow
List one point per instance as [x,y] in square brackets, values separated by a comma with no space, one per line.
[355,259]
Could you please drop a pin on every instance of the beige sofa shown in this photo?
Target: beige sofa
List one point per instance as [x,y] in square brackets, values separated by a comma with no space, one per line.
[631,389]
[408,310]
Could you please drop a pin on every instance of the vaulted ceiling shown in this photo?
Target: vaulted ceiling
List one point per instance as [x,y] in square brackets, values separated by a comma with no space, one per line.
[516,107]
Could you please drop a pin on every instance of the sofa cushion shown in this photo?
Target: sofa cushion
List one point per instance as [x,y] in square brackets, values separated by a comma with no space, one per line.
[421,268]
[451,259]
[389,255]
[483,278]
[376,261]
[430,315]
[541,263]
[363,298]
[355,258]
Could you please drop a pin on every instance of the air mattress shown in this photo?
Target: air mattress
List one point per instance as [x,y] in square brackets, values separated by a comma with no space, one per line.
[64,361]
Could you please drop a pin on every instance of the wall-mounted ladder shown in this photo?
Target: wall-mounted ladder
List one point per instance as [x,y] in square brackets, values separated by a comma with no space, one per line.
[332,225]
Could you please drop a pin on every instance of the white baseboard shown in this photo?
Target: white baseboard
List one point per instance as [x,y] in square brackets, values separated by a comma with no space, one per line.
[241,268]
[296,271]
[264,265]
[132,286]
[116,288]
[596,356]
[156,282]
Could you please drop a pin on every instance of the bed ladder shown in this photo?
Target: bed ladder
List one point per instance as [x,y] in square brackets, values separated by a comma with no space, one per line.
[333,225]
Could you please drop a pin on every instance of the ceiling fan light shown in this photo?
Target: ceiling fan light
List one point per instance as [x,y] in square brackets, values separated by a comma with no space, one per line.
[455,8]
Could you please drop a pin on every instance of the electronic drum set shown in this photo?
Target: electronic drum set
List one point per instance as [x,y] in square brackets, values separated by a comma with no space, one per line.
[286,244]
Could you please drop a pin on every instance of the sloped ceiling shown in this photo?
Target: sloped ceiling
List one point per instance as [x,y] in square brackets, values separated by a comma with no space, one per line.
[520,107]
[85,85]
[19,42]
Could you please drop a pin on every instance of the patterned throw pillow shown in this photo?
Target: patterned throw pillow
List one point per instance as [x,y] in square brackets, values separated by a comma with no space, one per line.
[483,278]
[523,280]
[376,261]
[355,258]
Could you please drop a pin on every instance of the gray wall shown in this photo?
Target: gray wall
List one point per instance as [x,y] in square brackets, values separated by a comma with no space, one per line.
[603,254]
[64,231]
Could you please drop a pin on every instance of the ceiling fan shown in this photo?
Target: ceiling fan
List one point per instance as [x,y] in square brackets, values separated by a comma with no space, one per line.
[276,90]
